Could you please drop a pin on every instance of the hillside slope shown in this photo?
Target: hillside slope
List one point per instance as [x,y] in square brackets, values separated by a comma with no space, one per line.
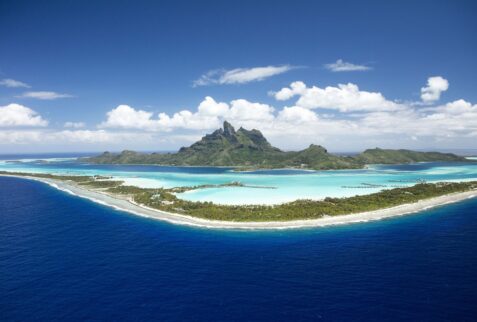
[250,149]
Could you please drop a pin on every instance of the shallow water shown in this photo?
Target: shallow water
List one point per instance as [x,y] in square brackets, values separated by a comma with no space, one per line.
[264,187]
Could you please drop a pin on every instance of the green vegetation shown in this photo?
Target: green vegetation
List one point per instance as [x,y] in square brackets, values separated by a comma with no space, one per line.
[242,148]
[101,183]
[205,186]
[92,182]
[249,149]
[98,177]
[383,156]
[127,190]
[166,200]
[163,199]
[77,179]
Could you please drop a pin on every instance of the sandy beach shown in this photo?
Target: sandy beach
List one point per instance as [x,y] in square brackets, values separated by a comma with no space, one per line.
[129,206]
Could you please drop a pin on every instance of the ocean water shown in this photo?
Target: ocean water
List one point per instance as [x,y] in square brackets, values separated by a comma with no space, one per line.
[63,258]
[270,186]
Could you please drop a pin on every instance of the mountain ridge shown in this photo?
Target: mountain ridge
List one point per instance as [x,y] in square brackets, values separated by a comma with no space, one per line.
[250,149]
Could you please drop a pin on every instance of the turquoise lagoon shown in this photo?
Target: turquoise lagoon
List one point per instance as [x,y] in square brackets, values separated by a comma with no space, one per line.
[262,187]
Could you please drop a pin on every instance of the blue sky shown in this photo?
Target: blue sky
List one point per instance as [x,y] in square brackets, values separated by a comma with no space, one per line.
[89,59]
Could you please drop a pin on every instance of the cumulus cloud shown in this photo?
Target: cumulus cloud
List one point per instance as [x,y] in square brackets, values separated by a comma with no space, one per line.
[364,118]
[210,107]
[435,86]
[13,115]
[127,117]
[297,114]
[210,114]
[243,110]
[8,82]
[44,95]
[344,97]
[342,66]
[289,127]
[15,137]
[457,107]
[358,120]
[457,118]
[355,119]
[239,110]
[187,120]
[75,125]
[240,75]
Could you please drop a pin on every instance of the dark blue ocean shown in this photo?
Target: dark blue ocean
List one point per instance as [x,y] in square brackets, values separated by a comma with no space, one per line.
[63,258]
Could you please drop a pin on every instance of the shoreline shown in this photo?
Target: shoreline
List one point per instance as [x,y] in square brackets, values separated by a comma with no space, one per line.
[124,204]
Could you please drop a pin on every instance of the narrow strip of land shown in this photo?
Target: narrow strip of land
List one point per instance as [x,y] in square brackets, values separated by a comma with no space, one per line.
[125,203]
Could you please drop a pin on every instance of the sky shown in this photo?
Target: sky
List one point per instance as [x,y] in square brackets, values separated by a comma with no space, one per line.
[81,76]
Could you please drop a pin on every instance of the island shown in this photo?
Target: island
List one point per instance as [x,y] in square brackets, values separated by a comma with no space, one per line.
[163,204]
[248,149]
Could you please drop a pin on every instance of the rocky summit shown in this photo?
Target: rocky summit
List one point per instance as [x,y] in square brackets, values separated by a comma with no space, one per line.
[249,149]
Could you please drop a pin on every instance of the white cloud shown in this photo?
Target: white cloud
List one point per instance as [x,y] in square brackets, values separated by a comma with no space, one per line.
[458,107]
[210,114]
[20,137]
[457,118]
[296,88]
[127,117]
[75,125]
[297,114]
[243,110]
[44,95]
[8,82]
[212,117]
[365,119]
[240,75]
[210,107]
[345,97]
[18,115]
[342,66]
[187,120]
[435,86]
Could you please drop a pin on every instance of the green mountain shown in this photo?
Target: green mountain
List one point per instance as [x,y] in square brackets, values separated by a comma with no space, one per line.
[385,156]
[250,149]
